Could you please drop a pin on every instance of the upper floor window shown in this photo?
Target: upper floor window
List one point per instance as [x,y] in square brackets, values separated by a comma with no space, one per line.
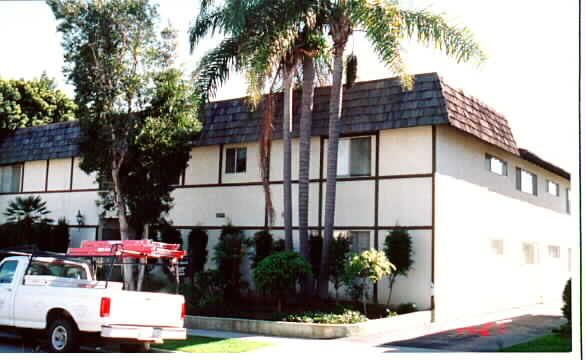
[529,253]
[10,178]
[526,181]
[568,200]
[235,160]
[553,251]
[553,188]
[359,240]
[497,246]
[354,156]
[496,165]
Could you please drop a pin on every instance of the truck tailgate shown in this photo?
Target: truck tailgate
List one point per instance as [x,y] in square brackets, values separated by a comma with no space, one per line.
[146,308]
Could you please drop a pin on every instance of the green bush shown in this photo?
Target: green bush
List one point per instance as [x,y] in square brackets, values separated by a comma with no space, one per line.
[198,252]
[567,299]
[398,249]
[315,245]
[228,254]
[170,235]
[370,265]
[406,308]
[338,249]
[264,245]
[60,236]
[279,273]
[347,317]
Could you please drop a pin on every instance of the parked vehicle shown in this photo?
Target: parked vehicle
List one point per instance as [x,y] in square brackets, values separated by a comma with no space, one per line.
[62,298]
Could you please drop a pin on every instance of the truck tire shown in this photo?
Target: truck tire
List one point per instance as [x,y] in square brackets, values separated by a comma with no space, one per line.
[62,336]
[142,347]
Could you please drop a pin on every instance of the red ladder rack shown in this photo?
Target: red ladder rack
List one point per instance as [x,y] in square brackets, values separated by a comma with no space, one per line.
[128,248]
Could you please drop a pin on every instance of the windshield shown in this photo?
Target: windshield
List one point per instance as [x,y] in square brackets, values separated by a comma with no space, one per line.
[60,269]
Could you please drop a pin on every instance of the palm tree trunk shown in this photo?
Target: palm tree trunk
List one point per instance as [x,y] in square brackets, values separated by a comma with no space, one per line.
[340,39]
[304,164]
[289,70]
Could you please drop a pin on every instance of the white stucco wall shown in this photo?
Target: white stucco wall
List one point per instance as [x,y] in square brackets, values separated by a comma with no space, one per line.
[59,174]
[276,172]
[242,205]
[405,202]
[277,199]
[354,203]
[34,175]
[81,180]
[202,167]
[475,207]
[406,151]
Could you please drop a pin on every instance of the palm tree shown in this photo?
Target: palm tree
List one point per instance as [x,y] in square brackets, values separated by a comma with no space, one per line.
[385,24]
[29,210]
[264,48]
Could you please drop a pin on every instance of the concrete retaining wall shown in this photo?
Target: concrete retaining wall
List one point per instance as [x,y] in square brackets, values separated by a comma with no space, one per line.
[308,331]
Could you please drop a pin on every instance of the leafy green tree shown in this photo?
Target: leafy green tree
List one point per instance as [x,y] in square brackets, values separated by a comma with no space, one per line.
[567,299]
[370,265]
[136,111]
[339,250]
[398,250]
[25,103]
[263,246]
[279,273]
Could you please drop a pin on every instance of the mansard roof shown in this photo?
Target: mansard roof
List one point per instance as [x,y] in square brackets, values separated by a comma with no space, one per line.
[367,107]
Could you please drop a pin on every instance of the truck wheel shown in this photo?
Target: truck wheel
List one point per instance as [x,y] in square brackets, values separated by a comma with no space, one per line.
[62,336]
[135,347]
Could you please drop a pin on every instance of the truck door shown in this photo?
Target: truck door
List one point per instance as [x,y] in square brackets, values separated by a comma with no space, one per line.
[7,283]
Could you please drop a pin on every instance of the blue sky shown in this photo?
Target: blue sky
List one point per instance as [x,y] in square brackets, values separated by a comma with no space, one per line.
[531,75]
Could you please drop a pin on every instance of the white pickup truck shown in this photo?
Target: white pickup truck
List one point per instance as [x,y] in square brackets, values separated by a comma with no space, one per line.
[62,298]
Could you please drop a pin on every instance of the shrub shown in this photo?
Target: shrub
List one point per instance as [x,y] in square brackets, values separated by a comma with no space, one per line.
[263,246]
[170,235]
[339,249]
[59,237]
[399,251]
[567,299]
[228,254]
[198,252]
[347,317]
[370,265]
[279,273]
[406,308]
[315,244]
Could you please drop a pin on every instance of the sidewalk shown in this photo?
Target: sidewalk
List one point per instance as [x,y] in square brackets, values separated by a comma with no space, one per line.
[370,345]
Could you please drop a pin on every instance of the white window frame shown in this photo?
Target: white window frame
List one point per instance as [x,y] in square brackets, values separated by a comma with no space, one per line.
[494,164]
[522,182]
[552,188]
[345,157]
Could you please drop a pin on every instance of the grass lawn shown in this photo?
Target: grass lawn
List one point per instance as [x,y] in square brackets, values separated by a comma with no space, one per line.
[547,343]
[202,344]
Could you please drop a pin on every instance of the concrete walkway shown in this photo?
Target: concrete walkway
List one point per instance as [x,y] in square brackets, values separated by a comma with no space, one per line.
[519,324]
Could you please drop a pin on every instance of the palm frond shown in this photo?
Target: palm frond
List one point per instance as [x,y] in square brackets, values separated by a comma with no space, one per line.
[432,29]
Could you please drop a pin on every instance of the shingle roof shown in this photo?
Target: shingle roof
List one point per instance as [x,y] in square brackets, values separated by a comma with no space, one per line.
[52,141]
[367,107]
